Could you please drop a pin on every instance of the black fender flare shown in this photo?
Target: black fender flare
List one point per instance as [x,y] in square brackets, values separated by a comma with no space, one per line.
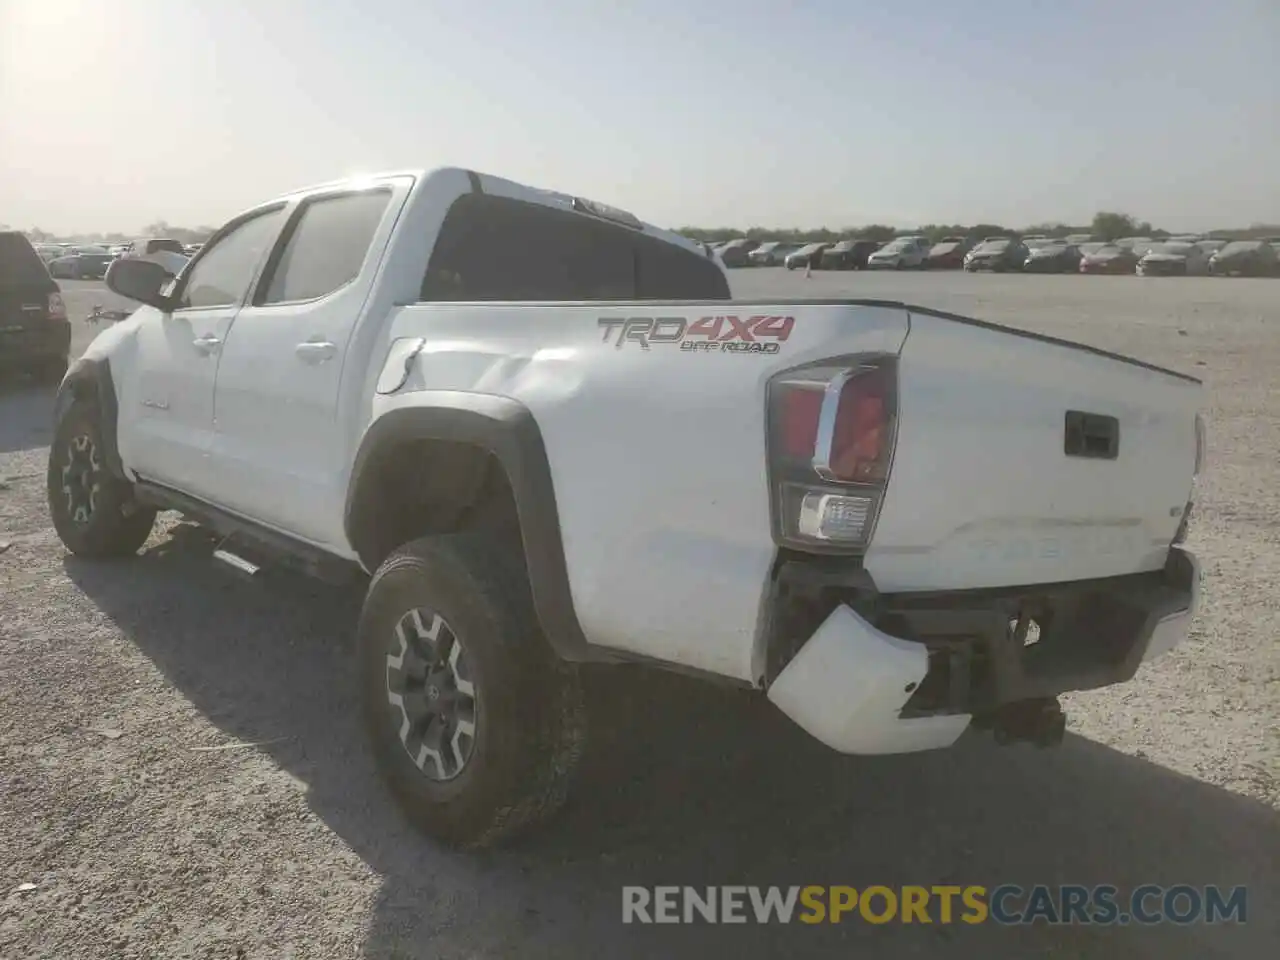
[507,430]
[90,380]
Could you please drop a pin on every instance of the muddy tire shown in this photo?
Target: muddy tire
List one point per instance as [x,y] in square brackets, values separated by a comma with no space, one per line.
[93,510]
[475,724]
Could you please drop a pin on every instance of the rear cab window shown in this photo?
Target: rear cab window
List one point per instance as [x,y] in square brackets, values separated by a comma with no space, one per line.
[20,265]
[501,249]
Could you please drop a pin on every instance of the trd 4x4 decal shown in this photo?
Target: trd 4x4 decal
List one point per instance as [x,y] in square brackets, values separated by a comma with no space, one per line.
[759,334]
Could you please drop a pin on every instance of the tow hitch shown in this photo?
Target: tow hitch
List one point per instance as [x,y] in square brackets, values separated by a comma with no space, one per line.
[1039,721]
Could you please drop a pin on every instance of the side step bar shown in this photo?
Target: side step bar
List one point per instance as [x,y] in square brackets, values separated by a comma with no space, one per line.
[255,539]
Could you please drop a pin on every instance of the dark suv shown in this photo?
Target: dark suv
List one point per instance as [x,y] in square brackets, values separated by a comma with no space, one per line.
[35,335]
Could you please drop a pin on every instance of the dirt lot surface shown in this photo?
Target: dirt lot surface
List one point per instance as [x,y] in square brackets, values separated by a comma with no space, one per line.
[182,775]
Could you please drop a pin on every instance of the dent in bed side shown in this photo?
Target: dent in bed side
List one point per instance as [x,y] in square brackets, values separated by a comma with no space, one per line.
[507,430]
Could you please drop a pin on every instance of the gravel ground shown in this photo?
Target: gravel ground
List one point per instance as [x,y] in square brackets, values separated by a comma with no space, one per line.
[182,774]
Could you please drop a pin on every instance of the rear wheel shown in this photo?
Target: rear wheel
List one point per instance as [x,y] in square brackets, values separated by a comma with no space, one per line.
[93,510]
[474,722]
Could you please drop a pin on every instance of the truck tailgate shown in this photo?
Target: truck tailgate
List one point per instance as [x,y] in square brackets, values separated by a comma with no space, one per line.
[1024,460]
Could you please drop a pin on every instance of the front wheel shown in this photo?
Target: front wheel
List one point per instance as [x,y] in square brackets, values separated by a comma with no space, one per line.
[93,510]
[475,724]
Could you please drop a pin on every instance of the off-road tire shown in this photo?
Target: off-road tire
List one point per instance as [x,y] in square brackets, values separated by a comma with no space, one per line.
[529,717]
[116,525]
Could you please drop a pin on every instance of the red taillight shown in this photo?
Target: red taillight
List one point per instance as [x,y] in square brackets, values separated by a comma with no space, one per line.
[832,427]
[57,309]
[859,438]
[801,408]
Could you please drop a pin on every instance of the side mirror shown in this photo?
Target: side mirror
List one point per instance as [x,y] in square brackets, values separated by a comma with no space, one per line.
[140,280]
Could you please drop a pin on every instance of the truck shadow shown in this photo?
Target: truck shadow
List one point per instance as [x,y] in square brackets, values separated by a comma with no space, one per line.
[685,783]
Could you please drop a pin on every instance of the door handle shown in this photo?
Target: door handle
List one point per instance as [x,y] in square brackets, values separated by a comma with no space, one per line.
[315,351]
[206,345]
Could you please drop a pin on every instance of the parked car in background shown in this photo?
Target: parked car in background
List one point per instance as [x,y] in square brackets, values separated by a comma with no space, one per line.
[49,251]
[1245,258]
[149,245]
[85,263]
[35,335]
[771,253]
[1056,256]
[193,248]
[948,253]
[808,255]
[1108,258]
[848,255]
[1211,245]
[901,253]
[734,253]
[1000,255]
[1173,258]
[1139,245]
[1079,238]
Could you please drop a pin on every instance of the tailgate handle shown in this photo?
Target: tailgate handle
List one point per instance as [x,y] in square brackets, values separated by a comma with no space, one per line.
[1092,435]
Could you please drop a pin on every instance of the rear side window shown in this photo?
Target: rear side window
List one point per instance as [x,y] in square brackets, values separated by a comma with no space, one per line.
[496,248]
[327,246]
[667,272]
[19,262]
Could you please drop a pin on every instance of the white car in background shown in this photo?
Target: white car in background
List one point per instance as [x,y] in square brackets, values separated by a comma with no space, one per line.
[903,253]
[1172,258]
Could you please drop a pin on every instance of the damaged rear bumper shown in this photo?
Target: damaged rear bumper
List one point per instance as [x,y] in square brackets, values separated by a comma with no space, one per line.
[896,674]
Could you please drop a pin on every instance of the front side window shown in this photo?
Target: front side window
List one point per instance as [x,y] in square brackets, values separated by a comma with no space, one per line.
[327,246]
[222,275]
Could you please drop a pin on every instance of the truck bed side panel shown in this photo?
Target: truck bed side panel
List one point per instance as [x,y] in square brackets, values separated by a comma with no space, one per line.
[657,454]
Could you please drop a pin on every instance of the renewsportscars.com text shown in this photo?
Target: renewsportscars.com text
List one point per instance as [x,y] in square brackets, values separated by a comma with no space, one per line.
[1066,904]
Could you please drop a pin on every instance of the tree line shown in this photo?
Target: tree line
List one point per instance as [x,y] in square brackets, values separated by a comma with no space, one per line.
[1106,225]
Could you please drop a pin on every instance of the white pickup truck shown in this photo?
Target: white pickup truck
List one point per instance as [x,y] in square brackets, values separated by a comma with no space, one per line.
[550,437]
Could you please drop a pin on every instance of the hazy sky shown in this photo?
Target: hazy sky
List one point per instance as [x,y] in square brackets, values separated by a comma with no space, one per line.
[115,113]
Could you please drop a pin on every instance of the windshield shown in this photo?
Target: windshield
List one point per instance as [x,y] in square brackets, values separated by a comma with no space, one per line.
[810,248]
[992,246]
[1241,246]
[1181,248]
[1104,250]
[902,243]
